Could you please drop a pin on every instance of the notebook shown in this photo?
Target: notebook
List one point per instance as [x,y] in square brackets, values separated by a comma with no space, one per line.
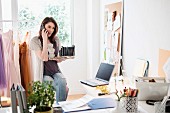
[102,77]
[152,90]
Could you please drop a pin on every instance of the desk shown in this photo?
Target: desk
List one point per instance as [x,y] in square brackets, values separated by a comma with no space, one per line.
[142,106]
[5,110]
[8,110]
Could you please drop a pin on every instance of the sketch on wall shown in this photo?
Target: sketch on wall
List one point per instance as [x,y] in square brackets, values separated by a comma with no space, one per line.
[112,35]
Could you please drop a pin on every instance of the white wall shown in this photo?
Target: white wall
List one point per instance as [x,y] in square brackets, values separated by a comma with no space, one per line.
[146,29]
[93,37]
[102,9]
[76,69]
[146,25]
[86,39]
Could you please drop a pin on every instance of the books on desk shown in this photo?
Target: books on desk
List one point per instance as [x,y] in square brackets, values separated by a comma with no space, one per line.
[87,103]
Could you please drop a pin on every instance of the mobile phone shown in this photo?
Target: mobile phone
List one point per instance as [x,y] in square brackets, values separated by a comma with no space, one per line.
[42,27]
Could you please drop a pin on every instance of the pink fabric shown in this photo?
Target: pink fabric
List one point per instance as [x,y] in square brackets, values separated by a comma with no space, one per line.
[2,69]
[11,74]
[16,55]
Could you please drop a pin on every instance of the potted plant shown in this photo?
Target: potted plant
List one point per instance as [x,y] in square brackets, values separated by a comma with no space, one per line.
[41,95]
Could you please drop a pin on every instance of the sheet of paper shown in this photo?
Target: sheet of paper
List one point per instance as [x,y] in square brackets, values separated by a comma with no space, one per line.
[109,22]
[166,68]
[117,22]
[70,105]
[82,108]
[140,67]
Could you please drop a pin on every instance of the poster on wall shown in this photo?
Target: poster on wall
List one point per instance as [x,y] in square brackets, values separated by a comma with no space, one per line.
[109,22]
[105,18]
[112,43]
[116,23]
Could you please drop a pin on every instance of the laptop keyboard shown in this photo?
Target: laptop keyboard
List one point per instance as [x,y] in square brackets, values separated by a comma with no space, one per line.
[96,82]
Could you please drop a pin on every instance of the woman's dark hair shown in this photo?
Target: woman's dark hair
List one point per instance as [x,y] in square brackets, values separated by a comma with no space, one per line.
[44,22]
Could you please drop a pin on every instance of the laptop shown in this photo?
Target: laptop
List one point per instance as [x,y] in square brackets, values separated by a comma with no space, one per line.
[152,90]
[103,76]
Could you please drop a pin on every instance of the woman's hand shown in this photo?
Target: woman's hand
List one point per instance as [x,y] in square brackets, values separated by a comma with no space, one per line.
[59,59]
[44,34]
[44,52]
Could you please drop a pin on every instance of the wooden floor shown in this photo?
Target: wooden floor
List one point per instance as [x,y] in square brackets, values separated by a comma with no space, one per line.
[74,97]
[70,97]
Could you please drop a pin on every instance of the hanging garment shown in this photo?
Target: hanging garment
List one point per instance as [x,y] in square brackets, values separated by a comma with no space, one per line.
[25,66]
[16,54]
[11,74]
[2,69]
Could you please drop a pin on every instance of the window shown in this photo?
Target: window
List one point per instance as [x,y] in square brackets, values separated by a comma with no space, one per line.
[5,14]
[30,14]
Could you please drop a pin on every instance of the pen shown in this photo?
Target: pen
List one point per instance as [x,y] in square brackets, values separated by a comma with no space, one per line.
[100,94]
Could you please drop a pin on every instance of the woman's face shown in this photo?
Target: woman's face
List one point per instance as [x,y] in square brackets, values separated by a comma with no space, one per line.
[50,28]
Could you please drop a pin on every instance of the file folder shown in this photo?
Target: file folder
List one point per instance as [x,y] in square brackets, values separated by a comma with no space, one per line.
[97,103]
[101,103]
[18,95]
[22,99]
[13,99]
[20,102]
[23,96]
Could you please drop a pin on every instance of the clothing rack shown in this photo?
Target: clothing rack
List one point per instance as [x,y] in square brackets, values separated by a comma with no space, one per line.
[1,21]
[6,20]
[17,20]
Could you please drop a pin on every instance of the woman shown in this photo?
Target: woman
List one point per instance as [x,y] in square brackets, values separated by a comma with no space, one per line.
[46,47]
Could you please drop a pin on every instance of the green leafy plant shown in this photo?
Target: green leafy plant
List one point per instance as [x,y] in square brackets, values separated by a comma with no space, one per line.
[40,95]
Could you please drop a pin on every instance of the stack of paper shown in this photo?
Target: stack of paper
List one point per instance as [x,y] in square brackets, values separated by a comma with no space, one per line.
[140,67]
[76,105]
[87,103]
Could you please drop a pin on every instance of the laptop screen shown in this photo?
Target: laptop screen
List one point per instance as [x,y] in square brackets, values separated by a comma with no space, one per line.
[105,71]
